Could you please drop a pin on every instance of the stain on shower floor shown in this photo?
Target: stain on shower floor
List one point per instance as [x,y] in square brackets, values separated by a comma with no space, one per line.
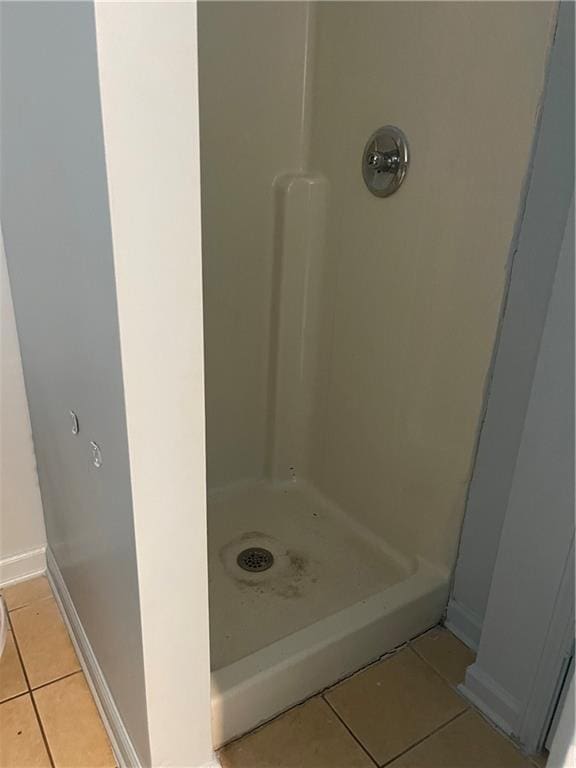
[290,574]
[321,564]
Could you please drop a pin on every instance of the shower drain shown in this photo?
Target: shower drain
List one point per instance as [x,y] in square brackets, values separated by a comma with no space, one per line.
[255,559]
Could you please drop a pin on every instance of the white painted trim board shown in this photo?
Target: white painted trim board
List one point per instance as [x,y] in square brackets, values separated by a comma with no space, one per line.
[23,566]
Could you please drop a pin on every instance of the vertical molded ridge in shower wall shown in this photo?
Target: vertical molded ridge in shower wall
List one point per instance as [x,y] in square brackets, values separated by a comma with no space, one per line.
[300,216]
[252,71]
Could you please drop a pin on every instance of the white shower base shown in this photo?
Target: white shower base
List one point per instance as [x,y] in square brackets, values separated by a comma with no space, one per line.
[335,599]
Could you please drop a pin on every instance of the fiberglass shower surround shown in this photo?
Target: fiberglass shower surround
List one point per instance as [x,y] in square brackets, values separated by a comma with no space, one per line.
[348,336]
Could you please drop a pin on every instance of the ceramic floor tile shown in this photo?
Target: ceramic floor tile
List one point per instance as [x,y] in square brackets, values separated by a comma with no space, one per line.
[42,638]
[309,736]
[445,653]
[466,742]
[72,725]
[394,704]
[26,592]
[12,680]
[21,743]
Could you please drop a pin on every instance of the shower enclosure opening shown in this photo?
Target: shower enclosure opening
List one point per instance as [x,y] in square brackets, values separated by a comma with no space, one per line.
[352,291]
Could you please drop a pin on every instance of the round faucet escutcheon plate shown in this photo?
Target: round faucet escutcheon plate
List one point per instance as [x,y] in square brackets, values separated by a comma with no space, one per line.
[385,161]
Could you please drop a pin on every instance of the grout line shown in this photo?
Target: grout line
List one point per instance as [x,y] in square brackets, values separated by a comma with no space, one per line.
[385,656]
[447,682]
[56,680]
[32,602]
[508,737]
[9,634]
[350,731]
[21,660]
[450,683]
[420,741]
[435,671]
[333,686]
[35,708]
[47,682]
[317,694]
[16,696]
[42,731]
[453,686]
[468,707]
[471,707]
[421,634]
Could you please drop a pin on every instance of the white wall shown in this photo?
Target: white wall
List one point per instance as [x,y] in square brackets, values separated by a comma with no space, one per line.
[21,519]
[147,55]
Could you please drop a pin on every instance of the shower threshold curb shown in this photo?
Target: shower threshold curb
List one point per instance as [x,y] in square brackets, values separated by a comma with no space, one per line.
[254,689]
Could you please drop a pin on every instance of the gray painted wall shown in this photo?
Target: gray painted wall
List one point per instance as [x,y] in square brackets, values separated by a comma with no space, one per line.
[54,212]
[535,258]
[534,571]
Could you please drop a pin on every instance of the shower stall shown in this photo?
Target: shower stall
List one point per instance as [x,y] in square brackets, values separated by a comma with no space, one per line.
[348,335]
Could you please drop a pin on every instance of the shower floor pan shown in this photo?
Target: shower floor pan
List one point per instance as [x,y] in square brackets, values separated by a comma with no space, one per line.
[333,599]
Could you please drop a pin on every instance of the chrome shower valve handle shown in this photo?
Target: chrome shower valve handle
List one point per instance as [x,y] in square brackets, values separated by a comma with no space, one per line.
[385,161]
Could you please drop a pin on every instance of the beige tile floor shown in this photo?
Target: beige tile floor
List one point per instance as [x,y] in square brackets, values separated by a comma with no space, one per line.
[402,712]
[47,715]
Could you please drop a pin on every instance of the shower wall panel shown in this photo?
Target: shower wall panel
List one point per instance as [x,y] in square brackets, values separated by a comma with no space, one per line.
[417,279]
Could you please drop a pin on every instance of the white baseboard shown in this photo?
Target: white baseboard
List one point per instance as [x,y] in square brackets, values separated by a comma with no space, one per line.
[464,624]
[491,699]
[22,566]
[121,744]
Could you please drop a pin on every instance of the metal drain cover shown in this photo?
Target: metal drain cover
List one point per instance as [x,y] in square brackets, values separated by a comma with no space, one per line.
[255,559]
